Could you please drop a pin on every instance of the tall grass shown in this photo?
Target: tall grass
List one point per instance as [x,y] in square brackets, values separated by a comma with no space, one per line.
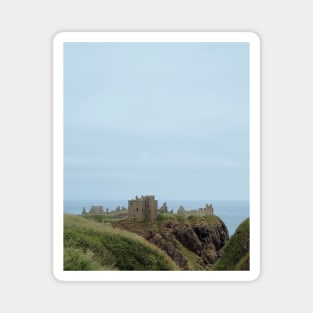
[90,245]
[235,254]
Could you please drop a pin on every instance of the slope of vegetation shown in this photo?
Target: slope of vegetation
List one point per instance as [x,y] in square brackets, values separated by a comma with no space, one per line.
[109,217]
[90,245]
[192,242]
[235,254]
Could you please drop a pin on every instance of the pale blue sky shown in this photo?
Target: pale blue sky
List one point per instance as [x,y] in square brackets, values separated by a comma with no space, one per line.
[170,119]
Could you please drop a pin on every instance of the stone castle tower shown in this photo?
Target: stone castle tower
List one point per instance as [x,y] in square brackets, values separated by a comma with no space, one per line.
[144,208]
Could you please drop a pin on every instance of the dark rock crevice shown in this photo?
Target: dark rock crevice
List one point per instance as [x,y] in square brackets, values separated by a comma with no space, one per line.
[202,238]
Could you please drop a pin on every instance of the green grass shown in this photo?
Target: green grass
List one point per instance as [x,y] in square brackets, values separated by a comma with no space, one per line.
[191,257]
[76,259]
[90,245]
[165,216]
[210,219]
[235,254]
[105,218]
[244,263]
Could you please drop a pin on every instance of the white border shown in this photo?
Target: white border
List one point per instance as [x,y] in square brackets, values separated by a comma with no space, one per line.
[254,42]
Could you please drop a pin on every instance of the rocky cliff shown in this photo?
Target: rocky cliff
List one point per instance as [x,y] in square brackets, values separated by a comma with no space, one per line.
[193,243]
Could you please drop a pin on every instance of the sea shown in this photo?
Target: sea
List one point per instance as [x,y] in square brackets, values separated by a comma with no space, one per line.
[231,212]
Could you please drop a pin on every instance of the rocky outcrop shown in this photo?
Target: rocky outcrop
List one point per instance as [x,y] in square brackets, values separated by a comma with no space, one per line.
[185,234]
[203,237]
[166,243]
[213,238]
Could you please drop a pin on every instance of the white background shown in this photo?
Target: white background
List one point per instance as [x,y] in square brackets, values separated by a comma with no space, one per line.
[27,29]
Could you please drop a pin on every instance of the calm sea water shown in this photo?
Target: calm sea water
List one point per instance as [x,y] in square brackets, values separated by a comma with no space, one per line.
[231,212]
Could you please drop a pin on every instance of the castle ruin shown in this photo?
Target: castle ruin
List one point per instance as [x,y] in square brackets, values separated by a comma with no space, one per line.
[144,208]
[96,209]
[207,210]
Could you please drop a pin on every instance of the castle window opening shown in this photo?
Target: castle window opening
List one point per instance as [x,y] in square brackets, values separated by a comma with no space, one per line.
[137,209]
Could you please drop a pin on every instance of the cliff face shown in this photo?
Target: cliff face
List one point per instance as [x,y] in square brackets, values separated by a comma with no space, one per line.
[193,243]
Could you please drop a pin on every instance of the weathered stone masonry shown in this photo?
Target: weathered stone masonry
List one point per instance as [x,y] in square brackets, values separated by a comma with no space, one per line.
[144,208]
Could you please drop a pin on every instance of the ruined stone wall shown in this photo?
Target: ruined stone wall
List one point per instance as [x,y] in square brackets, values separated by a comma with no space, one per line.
[208,210]
[96,209]
[151,210]
[136,210]
[142,209]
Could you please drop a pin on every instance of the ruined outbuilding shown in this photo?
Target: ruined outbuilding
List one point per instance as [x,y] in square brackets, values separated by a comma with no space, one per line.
[144,208]
[207,210]
[96,209]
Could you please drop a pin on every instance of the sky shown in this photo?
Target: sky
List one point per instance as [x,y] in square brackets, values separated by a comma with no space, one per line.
[163,119]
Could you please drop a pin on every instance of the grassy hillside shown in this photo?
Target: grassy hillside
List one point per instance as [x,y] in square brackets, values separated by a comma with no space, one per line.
[235,254]
[90,245]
